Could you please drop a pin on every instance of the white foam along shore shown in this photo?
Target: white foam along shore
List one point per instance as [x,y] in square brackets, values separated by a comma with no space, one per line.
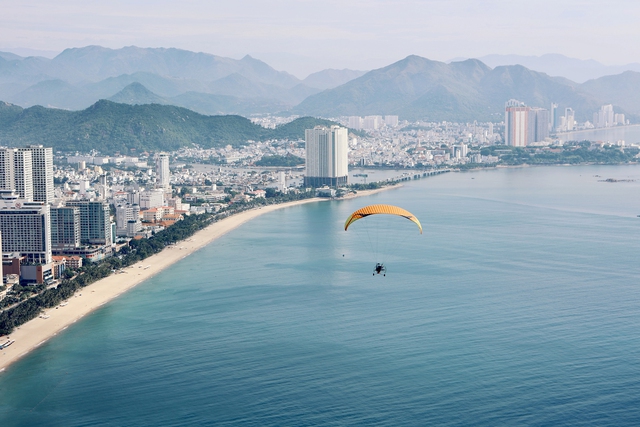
[37,331]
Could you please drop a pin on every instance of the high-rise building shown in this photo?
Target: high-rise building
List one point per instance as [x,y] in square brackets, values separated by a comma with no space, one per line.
[516,122]
[372,122]
[1,272]
[538,125]
[124,215]
[151,199]
[23,173]
[65,228]
[355,122]
[25,227]
[553,117]
[162,171]
[42,172]
[391,121]
[605,117]
[326,156]
[570,121]
[95,223]
[7,169]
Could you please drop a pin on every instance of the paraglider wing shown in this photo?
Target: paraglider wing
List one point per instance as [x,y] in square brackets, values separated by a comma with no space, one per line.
[381,209]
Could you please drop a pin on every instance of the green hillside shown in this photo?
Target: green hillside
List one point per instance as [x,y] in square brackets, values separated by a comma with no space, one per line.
[110,127]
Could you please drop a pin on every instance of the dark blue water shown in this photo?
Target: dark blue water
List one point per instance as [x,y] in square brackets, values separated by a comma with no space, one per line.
[520,305]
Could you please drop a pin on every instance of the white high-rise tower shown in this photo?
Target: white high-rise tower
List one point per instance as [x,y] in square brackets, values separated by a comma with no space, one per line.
[23,173]
[516,122]
[162,171]
[326,156]
[7,169]
[42,172]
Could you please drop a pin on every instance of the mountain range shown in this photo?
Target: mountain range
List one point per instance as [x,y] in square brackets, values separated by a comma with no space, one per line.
[78,77]
[577,70]
[412,88]
[129,129]
[416,88]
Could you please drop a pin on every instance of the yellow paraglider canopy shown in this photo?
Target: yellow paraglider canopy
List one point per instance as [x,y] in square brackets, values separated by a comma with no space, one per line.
[381,209]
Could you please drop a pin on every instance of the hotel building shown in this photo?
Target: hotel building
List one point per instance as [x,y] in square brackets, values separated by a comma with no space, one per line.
[326,156]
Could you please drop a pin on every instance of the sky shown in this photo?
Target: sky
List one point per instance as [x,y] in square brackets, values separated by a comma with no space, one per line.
[303,36]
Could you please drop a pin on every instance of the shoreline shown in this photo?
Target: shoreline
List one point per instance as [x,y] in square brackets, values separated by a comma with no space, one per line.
[38,331]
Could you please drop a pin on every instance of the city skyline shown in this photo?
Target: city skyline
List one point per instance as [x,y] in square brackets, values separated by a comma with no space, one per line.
[356,35]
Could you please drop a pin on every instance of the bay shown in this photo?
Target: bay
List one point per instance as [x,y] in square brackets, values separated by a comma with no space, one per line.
[519,305]
[629,134]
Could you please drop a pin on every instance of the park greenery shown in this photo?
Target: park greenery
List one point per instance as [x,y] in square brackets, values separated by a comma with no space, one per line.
[282,161]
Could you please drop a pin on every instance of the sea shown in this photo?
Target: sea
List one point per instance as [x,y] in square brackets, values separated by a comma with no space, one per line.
[629,134]
[518,305]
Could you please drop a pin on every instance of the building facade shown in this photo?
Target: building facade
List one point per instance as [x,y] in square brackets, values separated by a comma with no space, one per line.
[25,227]
[124,216]
[538,125]
[326,156]
[162,171]
[65,228]
[23,173]
[524,125]
[151,199]
[42,172]
[516,121]
[95,223]
[7,168]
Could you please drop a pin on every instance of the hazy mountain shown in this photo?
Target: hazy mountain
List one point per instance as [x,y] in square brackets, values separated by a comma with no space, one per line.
[418,88]
[330,78]
[54,93]
[242,87]
[412,87]
[97,63]
[206,103]
[94,72]
[536,90]
[111,127]
[620,90]
[137,94]
[8,56]
[577,70]
[203,103]
[163,86]
[24,52]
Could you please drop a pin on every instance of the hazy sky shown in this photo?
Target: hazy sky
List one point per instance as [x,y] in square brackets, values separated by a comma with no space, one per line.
[301,36]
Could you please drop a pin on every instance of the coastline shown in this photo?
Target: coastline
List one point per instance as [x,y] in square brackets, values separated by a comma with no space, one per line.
[36,332]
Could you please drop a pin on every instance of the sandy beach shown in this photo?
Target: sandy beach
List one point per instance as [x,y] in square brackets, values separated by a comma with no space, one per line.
[54,320]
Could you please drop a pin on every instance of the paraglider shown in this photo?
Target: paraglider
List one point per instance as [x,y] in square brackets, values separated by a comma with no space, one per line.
[381,209]
[384,210]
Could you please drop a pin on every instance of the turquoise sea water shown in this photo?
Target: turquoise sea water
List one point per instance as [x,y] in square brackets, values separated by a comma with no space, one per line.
[520,305]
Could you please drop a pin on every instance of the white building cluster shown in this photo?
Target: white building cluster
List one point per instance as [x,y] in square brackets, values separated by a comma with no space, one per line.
[606,117]
[372,122]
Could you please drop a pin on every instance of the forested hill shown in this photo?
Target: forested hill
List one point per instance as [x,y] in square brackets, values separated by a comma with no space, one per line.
[110,127]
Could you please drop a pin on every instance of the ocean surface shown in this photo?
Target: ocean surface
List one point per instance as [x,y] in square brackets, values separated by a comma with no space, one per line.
[628,134]
[519,305]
